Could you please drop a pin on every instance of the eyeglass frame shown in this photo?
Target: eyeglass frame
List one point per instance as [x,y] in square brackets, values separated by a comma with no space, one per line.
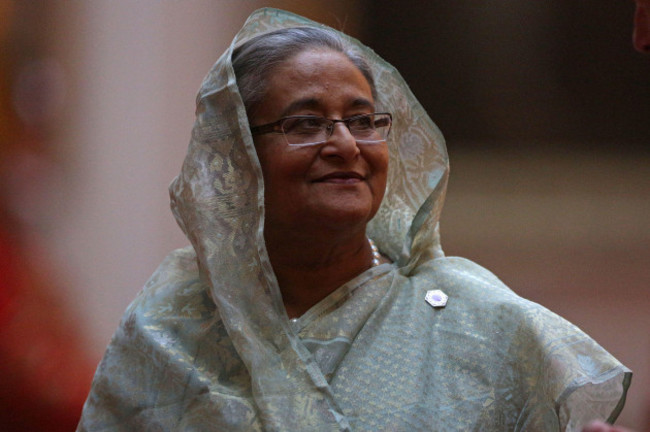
[276,127]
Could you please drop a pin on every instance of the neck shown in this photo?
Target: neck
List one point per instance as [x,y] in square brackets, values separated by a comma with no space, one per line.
[310,267]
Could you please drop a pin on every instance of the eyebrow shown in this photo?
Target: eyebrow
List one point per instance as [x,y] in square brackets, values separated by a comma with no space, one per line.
[313,103]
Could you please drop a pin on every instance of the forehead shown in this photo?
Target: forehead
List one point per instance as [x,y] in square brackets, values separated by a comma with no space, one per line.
[323,77]
[312,61]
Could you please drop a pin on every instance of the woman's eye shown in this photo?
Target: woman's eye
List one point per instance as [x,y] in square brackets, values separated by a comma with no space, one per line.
[382,122]
[311,123]
[365,122]
[303,125]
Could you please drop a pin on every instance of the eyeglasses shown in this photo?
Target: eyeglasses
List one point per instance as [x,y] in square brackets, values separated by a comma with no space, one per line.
[313,130]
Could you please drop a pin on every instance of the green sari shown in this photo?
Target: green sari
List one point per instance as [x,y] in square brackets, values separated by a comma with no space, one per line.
[207,344]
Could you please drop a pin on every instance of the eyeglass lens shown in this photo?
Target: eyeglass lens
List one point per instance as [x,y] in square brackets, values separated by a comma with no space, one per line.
[366,129]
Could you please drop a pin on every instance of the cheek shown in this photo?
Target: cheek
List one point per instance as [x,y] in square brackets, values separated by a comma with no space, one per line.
[269,166]
[280,170]
[380,178]
[380,165]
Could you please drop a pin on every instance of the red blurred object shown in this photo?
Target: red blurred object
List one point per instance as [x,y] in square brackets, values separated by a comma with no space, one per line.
[44,374]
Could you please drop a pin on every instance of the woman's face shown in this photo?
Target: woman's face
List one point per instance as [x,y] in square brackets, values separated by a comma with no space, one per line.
[338,184]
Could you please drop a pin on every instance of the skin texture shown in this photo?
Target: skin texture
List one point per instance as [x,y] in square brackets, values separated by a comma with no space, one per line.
[641,36]
[318,199]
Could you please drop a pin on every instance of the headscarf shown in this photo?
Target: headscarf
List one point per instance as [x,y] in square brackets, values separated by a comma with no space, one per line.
[209,336]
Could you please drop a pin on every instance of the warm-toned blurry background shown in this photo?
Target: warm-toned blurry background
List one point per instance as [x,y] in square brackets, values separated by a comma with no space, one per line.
[545,106]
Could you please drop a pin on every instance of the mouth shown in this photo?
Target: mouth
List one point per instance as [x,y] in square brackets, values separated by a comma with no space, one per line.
[343,177]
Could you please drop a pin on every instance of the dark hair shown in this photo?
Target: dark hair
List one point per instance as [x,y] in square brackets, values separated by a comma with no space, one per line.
[254,60]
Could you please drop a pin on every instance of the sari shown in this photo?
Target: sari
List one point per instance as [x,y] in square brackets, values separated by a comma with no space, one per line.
[207,344]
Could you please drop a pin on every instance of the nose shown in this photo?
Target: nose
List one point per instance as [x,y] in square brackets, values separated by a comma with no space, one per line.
[341,143]
[641,37]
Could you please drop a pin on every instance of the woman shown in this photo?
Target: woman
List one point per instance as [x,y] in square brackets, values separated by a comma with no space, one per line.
[282,317]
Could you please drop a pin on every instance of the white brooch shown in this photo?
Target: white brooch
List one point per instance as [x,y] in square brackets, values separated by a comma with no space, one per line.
[436,298]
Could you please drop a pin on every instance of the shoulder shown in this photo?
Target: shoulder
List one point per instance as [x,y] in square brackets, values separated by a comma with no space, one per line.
[179,268]
[546,365]
[153,355]
[553,359]
[490,301]
[175,289]
[169,315]
[174,299]
[532,333]
[472,285]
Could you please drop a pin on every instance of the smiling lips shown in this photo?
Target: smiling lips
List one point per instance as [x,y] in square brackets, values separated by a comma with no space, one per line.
[347,177]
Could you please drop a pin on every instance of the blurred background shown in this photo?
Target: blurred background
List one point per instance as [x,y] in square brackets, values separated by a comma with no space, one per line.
[545,107]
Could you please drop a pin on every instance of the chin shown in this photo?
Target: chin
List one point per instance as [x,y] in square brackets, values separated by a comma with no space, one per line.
[341,217]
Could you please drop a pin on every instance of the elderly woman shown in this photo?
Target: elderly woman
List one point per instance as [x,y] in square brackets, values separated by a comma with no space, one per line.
[316,295]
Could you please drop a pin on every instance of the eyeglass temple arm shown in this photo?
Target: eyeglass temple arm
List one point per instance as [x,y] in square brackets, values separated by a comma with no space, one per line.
[267,128]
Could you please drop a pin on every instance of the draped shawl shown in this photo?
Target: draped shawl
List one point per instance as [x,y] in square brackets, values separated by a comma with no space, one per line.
[207,344]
